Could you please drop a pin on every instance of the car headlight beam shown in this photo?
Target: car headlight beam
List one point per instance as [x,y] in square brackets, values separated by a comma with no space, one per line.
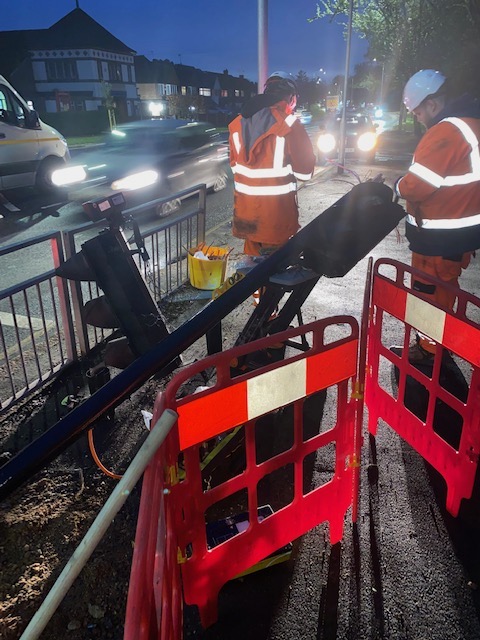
[68,175]
[136,181]
[367,141]
[326,142]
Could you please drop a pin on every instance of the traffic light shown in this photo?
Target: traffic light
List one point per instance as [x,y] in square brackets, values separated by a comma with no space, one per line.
[127,303]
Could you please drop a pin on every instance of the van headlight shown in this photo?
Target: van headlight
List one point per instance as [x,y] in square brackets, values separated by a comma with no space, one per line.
[326,143]
[68,175]
[136,181]
[367,141]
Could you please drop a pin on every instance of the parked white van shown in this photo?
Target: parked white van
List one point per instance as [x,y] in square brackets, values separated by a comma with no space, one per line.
[30,150]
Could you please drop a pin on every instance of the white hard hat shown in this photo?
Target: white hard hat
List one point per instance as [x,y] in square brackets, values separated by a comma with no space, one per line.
[280,82]
[422,84]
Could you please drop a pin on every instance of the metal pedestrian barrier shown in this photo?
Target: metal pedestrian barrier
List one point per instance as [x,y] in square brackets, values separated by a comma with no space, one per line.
[273,416]
[435,410]
[36,327]
[42,324]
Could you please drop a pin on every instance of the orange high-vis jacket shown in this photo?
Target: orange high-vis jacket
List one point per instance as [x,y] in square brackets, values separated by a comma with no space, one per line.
[269,151]
[442,189]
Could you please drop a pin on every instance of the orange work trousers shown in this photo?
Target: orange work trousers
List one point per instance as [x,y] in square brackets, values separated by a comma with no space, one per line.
[443,269]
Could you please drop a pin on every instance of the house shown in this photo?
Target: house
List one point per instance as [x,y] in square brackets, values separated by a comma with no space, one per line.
[75,65]
[187,92]
[156,80]
[77,73]
[234,91]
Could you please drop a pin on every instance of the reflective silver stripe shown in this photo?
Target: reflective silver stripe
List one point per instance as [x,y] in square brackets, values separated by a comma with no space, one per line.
[303,176]
[279,155]
[242,170]
[426,174]
[446,223]
[451,181]
[236,141]
[290,119]
[265,191]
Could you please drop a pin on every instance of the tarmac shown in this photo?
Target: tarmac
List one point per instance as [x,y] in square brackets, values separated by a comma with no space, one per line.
[407,569]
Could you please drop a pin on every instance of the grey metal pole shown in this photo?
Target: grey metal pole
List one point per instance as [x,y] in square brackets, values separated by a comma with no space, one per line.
[381,84]
[262,44]
[341,155]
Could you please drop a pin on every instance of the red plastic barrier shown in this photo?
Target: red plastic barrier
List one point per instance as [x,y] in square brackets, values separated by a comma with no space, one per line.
[230,403]
[155,602]
[458,333]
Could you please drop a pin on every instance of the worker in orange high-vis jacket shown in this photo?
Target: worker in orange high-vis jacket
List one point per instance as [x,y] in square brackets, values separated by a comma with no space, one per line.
[269,151]
[442,190]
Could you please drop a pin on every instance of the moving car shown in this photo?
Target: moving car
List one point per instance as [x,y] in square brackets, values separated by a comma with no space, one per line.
[304,116]
[30,150]
[360,138]
[150,159]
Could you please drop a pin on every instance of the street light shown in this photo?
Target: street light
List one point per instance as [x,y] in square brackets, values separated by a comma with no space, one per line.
[321,72]
[381,81]
[341,158]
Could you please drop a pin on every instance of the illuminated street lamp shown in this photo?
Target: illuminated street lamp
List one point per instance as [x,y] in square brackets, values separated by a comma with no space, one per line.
[321,72]
[341,158]
[381,81]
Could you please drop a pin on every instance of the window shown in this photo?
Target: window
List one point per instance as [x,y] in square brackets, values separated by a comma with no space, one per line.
[204,91]
[11,110]
[3,101]
[61,70]
[115,72]
[224,93]
[100,69]
[237,93]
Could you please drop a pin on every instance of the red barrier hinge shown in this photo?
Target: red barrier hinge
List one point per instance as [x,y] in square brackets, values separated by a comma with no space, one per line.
[181,556]
[171,475]
[357,391]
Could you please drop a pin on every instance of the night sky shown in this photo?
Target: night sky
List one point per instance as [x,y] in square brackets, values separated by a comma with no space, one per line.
[212,35]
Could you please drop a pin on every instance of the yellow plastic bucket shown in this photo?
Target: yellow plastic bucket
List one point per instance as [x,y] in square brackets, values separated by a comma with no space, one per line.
[207,274]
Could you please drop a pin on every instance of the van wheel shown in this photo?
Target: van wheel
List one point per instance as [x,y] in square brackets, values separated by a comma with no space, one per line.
[43,181]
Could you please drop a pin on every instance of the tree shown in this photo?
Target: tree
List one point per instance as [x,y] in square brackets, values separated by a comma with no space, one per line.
[408,35]
[109,103]
[311,90]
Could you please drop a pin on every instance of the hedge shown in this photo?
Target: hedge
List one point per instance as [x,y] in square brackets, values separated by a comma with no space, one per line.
[77,123]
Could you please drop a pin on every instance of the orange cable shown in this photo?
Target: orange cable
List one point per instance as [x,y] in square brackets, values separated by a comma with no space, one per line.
[98,462]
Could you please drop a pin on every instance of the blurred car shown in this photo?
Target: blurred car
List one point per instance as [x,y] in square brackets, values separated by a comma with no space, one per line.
[147,160]
[360,138]
[304,116]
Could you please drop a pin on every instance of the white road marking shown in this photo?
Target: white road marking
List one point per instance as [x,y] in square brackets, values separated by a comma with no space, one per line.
[23,321]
